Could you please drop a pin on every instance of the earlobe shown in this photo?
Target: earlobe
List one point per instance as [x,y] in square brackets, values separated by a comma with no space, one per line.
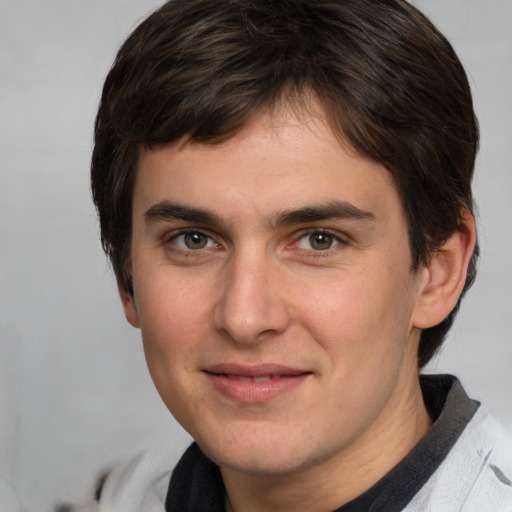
[445,275]
[129,306]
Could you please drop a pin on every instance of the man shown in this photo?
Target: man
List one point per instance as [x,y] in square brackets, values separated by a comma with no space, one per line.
[284,191]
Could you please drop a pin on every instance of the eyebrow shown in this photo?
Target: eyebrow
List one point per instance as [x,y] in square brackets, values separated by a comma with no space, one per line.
[330,210]
[167,210]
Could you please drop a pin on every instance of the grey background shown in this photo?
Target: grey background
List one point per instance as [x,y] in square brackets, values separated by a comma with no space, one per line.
[74,391]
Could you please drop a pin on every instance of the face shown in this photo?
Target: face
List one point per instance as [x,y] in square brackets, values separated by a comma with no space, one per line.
[273,288]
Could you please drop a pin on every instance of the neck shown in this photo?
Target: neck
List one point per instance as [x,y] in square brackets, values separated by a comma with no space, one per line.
[339,478]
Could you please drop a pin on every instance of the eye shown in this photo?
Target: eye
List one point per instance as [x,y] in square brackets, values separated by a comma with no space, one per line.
[193,241]
[318,241]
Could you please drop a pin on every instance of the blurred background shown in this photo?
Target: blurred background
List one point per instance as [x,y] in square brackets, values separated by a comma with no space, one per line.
[75,395]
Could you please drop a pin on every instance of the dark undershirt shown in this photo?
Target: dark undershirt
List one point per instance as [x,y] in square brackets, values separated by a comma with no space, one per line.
[196,483]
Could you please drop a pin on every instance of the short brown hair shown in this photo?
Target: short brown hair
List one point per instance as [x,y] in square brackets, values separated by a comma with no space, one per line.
[388,81]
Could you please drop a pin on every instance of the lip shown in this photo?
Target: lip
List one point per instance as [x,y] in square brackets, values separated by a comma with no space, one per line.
[254,383]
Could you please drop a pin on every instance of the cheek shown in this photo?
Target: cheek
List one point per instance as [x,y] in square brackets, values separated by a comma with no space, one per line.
[173,315]
[359,315]
[173,327]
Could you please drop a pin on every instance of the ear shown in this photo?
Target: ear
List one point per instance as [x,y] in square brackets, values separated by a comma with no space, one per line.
[129,306]
[444,277]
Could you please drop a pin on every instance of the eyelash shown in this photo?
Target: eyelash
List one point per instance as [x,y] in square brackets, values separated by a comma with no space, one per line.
[337,240]
[171,239]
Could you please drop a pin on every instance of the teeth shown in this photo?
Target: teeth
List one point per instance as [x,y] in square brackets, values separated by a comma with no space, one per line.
[239,377]
[263,378]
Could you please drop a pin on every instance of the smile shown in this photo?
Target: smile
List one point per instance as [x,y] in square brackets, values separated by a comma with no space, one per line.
[263,378]
[258,384]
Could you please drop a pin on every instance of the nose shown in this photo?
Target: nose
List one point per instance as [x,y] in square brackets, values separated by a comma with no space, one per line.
[251,307]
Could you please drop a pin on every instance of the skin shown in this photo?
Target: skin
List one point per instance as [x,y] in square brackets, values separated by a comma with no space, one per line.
[228,269]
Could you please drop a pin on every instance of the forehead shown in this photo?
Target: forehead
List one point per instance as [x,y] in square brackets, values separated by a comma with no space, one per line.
[281,160]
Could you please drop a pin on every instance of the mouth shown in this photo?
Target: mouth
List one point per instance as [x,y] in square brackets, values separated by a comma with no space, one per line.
[263,378]
[254,384]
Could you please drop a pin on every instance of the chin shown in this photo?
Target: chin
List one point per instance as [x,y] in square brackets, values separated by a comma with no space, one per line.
[265,451]
[261,463]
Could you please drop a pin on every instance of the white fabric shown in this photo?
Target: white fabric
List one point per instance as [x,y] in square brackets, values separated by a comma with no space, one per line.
[477,474]
[475,477]
[139,485]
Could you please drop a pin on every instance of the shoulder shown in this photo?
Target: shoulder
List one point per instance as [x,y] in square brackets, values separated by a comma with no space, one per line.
[476,474]
[138,484]
[143,482]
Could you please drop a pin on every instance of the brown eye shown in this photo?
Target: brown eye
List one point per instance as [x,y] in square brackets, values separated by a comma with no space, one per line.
[193,241]
[321,241]
[318,241]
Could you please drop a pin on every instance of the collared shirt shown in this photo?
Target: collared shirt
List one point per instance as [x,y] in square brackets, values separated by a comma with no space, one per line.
[464,463]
